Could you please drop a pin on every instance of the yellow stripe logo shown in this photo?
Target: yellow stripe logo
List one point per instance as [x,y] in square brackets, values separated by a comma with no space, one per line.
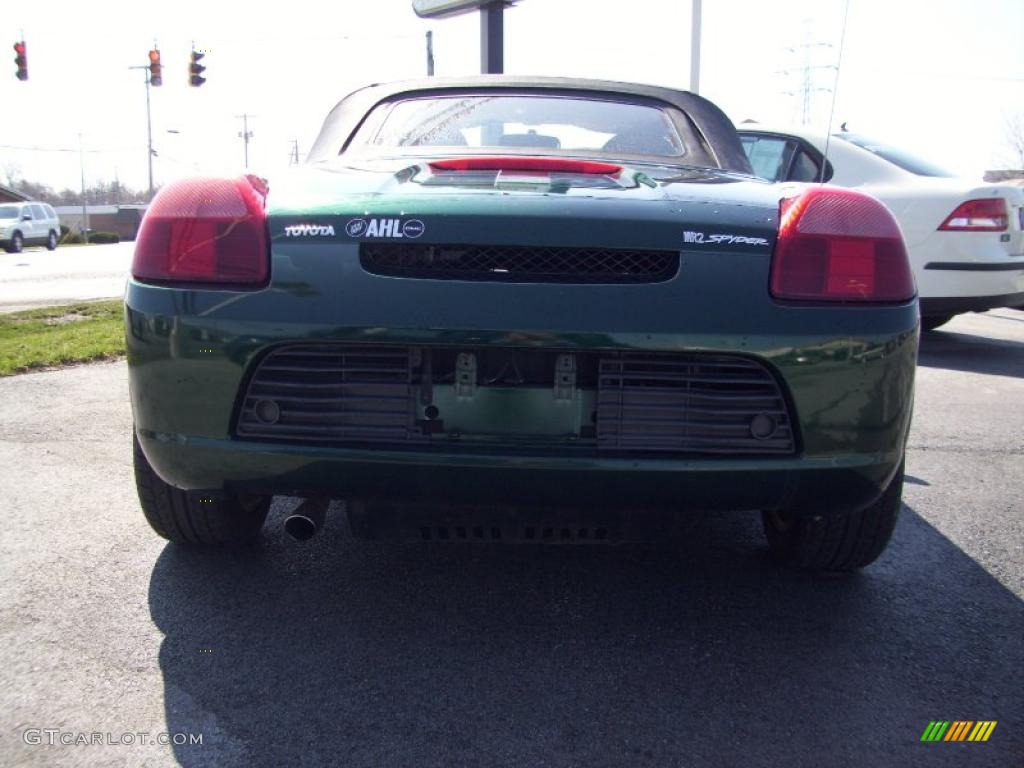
[958,730]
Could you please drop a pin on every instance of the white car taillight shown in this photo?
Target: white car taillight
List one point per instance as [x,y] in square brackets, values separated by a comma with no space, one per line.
[205,230]
[986,215]
[839,245]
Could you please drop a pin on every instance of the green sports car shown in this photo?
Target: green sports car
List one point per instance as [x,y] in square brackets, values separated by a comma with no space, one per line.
[535,294]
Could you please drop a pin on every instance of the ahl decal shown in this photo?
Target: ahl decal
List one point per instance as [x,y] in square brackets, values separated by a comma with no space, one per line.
[394,228]
[302,230]
[700,238]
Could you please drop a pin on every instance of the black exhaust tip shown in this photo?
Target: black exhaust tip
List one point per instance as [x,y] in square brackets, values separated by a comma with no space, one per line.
[307,519]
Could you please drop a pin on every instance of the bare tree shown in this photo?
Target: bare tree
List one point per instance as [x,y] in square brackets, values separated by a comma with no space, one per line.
[100,193]
[1014,131]
[12,172]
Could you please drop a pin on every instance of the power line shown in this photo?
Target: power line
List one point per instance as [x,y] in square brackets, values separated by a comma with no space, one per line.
[185,163]
[69,149]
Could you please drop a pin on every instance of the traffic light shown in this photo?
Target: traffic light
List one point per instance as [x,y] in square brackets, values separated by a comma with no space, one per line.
[195,69]
[21,60]
[155,78]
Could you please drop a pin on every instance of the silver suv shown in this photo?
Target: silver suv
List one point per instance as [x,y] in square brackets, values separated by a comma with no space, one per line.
[24,224]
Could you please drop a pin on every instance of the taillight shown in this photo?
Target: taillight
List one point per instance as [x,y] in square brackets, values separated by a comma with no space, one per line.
[205,230]
[839,245]
[514,163]
[987,215]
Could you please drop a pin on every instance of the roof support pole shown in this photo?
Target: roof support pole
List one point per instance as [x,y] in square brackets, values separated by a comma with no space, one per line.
[492,38]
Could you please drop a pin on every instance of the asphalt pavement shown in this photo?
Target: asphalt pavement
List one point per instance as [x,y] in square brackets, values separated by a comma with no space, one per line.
[37,277]
[696,651]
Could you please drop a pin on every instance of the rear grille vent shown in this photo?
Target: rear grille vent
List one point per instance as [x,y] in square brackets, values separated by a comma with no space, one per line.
[331,393]
[518,264]
[680,403]
[690,404]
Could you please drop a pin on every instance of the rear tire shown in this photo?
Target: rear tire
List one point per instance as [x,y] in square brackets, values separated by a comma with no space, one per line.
[51,241]
[16,244]
[835,542]
[932,322]
[195,518]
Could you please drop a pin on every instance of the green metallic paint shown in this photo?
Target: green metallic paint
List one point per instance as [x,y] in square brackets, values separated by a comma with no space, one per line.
[637,216]
[848,370]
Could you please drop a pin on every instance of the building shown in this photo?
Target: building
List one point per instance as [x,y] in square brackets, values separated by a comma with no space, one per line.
[1013,176]
[122,219]
[8,195]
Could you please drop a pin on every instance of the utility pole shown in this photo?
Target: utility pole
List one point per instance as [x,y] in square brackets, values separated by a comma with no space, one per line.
[245,134]
[149,130]
[430,53]
[695,30]
[149,135]
[85,209]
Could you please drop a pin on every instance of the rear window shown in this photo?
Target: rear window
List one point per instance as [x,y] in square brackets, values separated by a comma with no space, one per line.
[538,123]
[50,213]
[897,157]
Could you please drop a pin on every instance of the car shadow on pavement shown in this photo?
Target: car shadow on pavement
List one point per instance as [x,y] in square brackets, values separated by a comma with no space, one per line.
[698,652]
[970,353]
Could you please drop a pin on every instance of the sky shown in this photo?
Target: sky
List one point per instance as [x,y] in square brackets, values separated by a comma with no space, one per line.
[937,77]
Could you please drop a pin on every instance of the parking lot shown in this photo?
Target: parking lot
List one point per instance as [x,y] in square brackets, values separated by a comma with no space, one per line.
[39,278]
[692,651]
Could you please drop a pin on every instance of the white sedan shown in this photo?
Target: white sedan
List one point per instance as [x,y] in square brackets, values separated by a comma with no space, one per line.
[965,238]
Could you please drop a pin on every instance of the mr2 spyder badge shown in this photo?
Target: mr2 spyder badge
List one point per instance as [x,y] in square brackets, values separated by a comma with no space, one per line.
[393,228]
[700,238]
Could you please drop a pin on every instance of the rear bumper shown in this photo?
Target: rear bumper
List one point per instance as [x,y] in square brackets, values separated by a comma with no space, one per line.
[952,285]
[806,485]
[955,305]
[849,374]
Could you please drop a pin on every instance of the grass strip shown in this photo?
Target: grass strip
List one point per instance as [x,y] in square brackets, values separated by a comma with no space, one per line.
[53,336]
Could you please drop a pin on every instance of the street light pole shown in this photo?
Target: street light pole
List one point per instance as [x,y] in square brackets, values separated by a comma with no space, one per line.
[695,47]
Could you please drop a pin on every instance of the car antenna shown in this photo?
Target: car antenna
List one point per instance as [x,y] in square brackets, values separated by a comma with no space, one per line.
[835,87]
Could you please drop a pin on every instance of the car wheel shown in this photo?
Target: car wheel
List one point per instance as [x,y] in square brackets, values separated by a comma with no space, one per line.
[932,322]
[16,244]
[51,242]
[195,518]
[835,542]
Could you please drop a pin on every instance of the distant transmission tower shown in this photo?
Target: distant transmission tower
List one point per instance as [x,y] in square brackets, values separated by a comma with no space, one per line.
[806,71]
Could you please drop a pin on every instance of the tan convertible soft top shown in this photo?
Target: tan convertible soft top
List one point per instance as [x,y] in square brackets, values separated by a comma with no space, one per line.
[715,128]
